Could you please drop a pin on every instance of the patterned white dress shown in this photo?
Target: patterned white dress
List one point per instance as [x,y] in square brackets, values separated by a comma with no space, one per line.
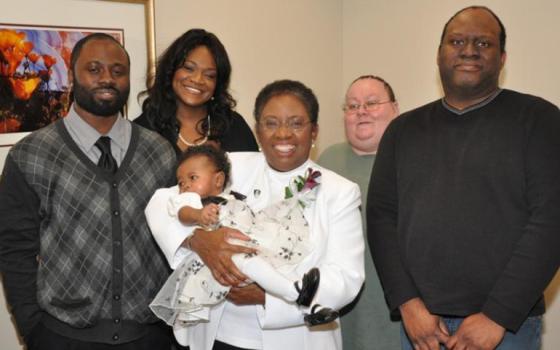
[279,232]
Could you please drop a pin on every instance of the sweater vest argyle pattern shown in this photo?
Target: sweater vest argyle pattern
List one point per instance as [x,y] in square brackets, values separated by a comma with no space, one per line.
[94,239]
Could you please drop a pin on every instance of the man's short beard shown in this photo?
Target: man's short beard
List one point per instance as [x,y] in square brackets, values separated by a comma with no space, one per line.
[86,99]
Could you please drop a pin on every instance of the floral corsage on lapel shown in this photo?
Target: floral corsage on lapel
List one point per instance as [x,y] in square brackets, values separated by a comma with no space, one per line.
[304,188]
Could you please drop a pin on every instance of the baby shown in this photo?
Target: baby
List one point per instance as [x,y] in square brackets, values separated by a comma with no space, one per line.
[279,233]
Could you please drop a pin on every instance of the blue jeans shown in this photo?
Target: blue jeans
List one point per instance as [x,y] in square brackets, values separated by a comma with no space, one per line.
[528,337]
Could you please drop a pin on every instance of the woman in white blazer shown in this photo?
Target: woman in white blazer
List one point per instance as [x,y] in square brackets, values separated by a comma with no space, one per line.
[286,113]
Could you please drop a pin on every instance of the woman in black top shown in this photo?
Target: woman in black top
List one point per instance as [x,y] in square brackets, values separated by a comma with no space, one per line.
[188,102]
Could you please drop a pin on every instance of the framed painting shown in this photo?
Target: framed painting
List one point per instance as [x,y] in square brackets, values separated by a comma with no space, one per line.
[34,62]
[34,59]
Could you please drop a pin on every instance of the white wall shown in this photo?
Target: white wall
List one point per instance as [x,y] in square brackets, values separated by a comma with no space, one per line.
[326,44]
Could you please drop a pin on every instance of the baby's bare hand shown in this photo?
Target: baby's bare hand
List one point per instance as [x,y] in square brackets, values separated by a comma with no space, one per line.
[210,214]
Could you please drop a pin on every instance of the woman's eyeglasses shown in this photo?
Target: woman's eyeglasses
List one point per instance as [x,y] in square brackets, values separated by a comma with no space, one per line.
[272,124]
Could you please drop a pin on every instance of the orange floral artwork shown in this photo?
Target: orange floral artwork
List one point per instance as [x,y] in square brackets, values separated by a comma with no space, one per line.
[34,62]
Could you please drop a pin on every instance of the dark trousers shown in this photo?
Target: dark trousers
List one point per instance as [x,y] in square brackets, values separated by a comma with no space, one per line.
[45,339]
[218,345]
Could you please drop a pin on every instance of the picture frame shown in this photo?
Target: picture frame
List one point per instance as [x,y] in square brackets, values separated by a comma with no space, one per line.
[149,17]
[34,81]
[134,17]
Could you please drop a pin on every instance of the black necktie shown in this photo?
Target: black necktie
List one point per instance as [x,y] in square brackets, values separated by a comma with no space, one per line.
[106,161]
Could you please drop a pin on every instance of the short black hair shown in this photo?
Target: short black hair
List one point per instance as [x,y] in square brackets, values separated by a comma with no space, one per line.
[502,28]
[215,155]
[77,50]
[386,85]
[288,87]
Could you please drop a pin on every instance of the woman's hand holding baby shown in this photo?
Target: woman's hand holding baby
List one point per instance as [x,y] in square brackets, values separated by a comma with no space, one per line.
[214,249]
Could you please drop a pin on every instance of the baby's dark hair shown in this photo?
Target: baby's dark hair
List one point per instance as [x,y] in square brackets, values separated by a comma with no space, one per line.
[215,155]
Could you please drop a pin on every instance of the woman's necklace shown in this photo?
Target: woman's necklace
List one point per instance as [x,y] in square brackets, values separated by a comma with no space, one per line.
[201,142]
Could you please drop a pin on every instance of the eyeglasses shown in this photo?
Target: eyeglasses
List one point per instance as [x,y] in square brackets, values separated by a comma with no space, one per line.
[368,106]
[272,124]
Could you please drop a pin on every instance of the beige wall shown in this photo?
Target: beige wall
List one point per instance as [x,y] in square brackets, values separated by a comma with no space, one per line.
[327,43]
[398,40]
[266,41]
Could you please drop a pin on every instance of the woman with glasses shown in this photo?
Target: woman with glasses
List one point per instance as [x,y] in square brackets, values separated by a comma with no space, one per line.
[286,114]
[189,103]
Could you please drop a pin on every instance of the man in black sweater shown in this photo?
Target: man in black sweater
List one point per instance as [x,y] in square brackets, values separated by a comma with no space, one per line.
[464,203]
[78,262]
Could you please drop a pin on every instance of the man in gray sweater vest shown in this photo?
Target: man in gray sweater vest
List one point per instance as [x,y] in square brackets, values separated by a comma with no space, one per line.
[78,262]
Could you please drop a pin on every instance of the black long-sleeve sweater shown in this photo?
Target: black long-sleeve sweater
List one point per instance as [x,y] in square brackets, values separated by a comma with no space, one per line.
[464,209]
